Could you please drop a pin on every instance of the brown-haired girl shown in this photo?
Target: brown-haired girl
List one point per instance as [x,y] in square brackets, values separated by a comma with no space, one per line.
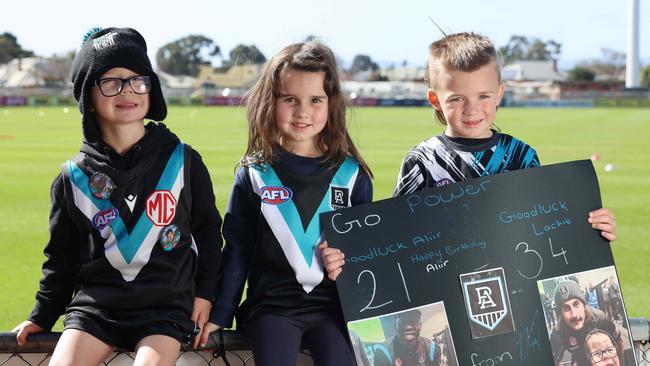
[299,163]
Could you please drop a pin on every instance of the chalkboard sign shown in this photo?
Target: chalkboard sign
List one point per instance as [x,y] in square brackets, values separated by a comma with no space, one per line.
[502,269]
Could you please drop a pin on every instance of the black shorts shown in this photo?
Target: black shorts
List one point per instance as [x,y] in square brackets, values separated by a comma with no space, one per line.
[125,328]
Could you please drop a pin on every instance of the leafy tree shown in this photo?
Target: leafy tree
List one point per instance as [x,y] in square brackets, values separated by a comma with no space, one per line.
[10,49]
[611,65]
[185,56]
[362,63]
[523,48]
[243,55]
[311,37]
[581,73]
[645,76]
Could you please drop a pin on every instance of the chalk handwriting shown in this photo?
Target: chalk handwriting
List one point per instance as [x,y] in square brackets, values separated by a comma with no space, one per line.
[376,252]
[457,248]
[528,250]
[528,338]
[369,220]
[541,230]
[425,238]
[408,297]
[374,289]
[369,306]
[561,253]
[431,255]
[433,200]
[436,266]
[491,361]
[538,209]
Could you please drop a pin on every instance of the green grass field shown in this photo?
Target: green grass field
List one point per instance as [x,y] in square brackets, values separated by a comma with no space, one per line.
[35,141]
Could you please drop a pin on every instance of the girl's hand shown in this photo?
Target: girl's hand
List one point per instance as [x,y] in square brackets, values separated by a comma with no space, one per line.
[333,260]
[603,220]
[24,329]
[205,332]
[200,316]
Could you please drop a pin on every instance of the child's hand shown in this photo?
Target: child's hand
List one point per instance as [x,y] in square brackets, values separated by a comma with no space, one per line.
[205,332]
[333,260]
[603,220]
[200,316]
[24,329]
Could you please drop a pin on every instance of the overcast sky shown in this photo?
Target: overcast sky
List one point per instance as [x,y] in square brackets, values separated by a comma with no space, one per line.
[388,31]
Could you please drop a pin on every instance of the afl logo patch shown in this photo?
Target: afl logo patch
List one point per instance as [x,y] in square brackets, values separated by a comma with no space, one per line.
[161,208]
[274,195]
[104,218]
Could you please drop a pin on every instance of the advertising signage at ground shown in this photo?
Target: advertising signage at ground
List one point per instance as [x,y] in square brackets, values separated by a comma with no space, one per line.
[500,270]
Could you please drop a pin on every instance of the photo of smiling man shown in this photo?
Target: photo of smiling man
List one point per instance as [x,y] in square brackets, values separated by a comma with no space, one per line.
[577,318]
[412,337]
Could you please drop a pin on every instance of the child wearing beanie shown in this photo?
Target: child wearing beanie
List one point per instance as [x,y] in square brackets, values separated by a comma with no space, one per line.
[134,248]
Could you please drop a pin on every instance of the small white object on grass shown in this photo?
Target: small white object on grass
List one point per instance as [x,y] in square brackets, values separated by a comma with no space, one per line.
[609,167]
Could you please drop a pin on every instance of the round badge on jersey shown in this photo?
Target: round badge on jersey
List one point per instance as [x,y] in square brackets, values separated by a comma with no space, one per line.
[169,237]
[101,185]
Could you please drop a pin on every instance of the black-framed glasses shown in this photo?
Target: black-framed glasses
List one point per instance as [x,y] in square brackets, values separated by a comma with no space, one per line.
[598,356]
[110,87]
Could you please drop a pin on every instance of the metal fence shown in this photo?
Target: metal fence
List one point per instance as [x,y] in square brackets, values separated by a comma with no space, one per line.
[224,348]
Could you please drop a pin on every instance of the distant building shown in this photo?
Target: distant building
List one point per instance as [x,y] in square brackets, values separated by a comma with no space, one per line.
[402,73]
[532,80]
[31,72]
[237,76]
[531,70]
[385,89]
[231,81]
[177,85]
[36,76]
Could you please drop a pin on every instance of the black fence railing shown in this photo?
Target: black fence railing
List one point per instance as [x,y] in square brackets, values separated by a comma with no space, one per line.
[223,348]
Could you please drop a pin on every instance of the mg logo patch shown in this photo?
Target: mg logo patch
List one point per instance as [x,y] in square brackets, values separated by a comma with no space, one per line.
[104,218]
[161,208]
[486,302]
[275,195]
[339,197]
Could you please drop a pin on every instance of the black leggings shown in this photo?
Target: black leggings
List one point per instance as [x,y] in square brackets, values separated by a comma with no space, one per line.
[276,339]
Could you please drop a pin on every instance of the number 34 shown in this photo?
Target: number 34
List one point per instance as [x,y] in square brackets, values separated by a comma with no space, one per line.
[528,251]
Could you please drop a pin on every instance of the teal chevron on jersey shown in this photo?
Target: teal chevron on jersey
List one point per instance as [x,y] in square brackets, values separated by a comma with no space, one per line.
[307,239]
[129,243]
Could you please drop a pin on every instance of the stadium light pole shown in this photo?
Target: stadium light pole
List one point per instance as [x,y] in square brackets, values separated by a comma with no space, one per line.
[632,70]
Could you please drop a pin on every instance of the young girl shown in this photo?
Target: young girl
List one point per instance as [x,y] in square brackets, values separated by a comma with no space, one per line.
[464,73]
[134,248]
[300,162]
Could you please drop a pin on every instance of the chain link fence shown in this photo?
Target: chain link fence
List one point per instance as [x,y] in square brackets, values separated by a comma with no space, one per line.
[224,348]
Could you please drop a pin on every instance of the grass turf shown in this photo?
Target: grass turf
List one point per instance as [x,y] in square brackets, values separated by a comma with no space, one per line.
[35,141]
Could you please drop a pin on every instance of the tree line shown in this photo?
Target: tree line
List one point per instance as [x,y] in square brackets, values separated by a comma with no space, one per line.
[186,55]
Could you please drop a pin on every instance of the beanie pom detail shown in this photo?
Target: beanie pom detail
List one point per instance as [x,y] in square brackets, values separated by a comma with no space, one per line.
[89,33]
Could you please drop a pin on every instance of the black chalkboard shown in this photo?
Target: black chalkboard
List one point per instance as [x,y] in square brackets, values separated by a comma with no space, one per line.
[410,251]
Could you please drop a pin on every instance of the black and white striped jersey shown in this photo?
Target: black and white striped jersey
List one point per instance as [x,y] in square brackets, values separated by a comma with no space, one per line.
[442,160]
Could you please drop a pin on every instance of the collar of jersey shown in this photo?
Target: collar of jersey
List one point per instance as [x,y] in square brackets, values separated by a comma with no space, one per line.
[307,239]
